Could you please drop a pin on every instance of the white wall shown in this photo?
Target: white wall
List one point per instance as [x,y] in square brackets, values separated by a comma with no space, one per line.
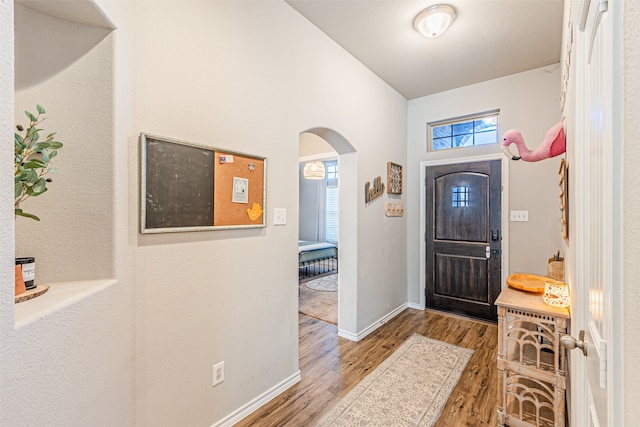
[313,146]
[631,225]
[6,195]
[78,98]
[248,76]
[74,356]
[528,102]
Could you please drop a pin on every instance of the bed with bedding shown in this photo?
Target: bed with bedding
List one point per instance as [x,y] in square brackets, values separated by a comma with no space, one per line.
[316,258]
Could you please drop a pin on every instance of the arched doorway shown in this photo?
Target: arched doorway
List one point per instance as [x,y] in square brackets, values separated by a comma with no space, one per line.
[347,254]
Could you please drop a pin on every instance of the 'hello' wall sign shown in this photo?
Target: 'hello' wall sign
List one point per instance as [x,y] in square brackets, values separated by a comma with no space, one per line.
[373,192]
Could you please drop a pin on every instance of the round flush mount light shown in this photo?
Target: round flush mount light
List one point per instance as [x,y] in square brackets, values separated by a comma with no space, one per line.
[434,20]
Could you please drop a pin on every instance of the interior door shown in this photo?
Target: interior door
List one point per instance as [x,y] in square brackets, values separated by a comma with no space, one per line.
[463,237]
[596,232]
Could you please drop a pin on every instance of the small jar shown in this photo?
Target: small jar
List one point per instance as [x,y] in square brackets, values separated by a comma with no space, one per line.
[28,265]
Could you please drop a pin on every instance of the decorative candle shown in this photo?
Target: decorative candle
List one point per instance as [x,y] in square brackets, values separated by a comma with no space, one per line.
[556,293]
[28,265]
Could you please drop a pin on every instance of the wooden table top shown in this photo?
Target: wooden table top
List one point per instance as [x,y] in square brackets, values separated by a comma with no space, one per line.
[529,301]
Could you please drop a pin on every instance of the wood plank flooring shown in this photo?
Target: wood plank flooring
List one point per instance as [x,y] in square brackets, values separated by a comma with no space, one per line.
[331,366]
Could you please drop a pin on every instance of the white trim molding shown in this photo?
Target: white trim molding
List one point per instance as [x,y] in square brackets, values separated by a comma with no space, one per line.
[255,404]
[372,327]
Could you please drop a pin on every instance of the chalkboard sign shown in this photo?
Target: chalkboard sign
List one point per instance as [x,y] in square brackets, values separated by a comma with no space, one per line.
[179,186]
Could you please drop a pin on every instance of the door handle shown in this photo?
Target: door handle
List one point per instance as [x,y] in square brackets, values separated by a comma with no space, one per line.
[567,341]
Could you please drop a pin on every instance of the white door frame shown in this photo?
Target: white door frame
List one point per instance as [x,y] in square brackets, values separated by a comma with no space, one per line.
[504,212]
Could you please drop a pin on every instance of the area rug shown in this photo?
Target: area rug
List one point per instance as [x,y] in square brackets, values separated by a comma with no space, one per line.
[324,284]
[410,388]
[319,304]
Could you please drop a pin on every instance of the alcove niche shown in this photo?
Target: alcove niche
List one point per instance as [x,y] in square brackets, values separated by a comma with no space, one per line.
[64,61]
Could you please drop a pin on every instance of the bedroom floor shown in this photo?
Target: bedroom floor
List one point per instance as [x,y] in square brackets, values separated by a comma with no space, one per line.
[317,303]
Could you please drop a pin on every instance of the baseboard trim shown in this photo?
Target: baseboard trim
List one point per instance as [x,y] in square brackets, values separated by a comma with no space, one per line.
[258,402]
[375,325]
[417,306]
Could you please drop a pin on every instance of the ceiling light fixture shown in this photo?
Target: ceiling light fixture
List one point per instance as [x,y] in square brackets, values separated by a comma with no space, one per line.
[434,20]
[313,170]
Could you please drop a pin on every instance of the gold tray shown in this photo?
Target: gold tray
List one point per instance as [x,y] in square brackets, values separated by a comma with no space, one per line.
[528,282]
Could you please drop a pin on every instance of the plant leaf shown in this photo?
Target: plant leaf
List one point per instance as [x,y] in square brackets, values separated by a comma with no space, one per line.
[34,164]
[31,176]
[41,109]
[20,176]
[19,212]
[39,187]
[19,186]
[30,116]
[54,145]
[45,156]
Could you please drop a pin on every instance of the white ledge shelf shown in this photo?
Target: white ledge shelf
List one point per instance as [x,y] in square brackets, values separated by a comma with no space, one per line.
[59,296]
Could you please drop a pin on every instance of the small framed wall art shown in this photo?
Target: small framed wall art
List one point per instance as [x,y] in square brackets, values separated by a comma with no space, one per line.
[394,178]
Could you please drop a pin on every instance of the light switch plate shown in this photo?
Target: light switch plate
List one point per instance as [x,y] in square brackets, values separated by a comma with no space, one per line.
[279,216]
[519,216]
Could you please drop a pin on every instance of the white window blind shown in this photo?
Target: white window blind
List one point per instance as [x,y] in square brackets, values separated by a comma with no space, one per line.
[331,207]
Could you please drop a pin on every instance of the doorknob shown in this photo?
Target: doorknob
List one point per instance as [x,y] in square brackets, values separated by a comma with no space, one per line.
[570,342]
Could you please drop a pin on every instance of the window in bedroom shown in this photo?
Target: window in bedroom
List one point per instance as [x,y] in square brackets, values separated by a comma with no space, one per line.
[466,131]
[331,212]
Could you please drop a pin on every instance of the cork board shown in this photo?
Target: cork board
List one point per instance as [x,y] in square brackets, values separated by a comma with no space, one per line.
[191,187]
[239,189]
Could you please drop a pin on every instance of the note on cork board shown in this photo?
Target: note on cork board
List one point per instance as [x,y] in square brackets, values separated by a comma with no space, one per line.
[193,187]
[239,190]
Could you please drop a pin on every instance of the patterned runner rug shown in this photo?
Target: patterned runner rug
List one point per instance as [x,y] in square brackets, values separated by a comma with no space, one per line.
[410,388]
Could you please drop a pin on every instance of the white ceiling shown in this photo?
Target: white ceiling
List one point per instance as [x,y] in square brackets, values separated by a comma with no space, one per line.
[487,40]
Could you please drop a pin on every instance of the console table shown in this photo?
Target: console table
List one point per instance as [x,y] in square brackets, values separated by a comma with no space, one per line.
[531,362]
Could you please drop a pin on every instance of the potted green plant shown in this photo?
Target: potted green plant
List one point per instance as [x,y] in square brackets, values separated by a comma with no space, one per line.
[33,157]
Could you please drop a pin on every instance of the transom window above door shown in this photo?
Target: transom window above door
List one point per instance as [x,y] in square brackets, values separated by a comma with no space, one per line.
[466,131]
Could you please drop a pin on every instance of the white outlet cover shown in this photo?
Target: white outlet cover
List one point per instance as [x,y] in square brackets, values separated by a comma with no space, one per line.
[218,373]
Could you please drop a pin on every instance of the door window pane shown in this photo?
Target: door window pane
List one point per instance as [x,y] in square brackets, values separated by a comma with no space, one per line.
[460,196]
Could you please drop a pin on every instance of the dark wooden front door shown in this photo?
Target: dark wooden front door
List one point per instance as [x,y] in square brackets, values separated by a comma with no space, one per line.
[463,237]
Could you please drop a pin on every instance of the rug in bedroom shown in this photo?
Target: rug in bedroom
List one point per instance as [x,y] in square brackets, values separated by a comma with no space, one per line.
[409,388]
[322,303]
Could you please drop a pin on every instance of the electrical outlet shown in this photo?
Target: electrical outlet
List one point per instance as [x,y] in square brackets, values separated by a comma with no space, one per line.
[520,216]
[218,373]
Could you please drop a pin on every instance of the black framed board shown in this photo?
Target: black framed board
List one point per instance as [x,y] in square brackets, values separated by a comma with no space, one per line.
[192,187]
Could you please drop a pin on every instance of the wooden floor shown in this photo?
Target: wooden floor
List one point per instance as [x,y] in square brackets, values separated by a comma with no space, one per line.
[331,366]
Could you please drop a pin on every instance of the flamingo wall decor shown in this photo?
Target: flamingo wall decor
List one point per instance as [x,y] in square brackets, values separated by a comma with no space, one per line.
[554,144]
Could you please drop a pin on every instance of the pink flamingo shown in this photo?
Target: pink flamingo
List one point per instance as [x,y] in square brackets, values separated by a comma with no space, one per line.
[554,143]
